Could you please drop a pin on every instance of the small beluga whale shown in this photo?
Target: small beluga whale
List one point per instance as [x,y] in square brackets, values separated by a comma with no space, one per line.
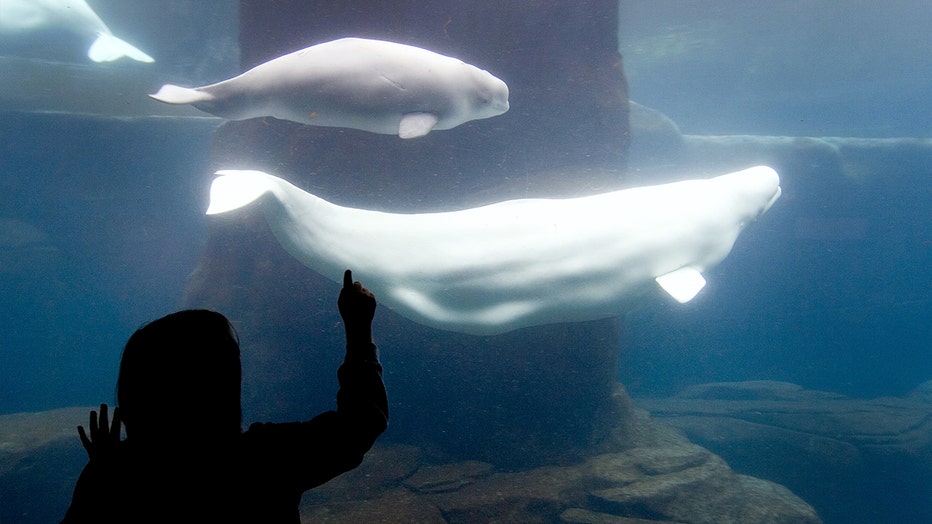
[517,263]
[36,23]
[372,85]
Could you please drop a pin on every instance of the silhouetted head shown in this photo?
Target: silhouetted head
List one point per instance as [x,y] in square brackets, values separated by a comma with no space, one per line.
[180,376]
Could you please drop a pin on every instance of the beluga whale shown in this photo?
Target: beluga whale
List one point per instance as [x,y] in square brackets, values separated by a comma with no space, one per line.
[517,263]
[41,24]
[372,85]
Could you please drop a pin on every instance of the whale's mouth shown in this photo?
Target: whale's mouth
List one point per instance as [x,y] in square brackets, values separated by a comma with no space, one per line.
[776,195]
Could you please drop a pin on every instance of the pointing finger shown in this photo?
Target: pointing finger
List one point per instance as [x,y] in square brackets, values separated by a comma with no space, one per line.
[347,279]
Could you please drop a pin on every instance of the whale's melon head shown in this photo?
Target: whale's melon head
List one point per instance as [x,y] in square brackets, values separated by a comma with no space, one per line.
[489,95]
[752,191]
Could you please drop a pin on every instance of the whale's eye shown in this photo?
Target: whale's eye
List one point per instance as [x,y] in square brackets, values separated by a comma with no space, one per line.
[483,96]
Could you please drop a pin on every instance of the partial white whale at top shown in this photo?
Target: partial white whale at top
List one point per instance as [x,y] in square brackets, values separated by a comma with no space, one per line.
[517,263]
[32,23]
[372,85]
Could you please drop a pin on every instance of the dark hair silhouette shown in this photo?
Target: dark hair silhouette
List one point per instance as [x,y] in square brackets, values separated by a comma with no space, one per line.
[189,359]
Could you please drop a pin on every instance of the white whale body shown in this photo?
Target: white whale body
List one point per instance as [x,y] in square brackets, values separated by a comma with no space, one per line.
[518,263]
[372,85]
[25,21]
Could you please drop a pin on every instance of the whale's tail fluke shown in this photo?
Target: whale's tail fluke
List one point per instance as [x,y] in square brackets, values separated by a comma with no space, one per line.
[172,94]
[108,48]
[236,188]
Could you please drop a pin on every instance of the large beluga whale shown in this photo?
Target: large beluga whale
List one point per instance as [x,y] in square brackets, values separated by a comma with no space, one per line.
[517,263]
[372,85]
[35,23]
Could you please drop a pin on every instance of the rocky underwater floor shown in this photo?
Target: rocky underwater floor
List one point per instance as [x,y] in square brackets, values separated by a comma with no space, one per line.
[663,464]
[645,472]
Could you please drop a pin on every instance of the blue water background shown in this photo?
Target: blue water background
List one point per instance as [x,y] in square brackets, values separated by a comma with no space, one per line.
[101,217]
[793,67]
[831,289]
[846,307]
[121,203]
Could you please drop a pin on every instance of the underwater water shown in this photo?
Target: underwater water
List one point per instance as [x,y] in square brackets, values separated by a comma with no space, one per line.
[840,298]
[102,227]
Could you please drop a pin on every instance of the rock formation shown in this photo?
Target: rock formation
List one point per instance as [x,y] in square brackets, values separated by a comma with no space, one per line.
[637,471]
[875,455]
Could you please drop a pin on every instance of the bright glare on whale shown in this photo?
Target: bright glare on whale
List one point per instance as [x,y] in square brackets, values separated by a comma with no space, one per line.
[23,19]
[372,85]
[518,263]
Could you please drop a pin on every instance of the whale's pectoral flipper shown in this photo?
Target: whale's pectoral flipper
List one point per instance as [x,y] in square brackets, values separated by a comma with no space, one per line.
[682,284]
[236,188]
[414,125]
[172,94]
[108,48]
